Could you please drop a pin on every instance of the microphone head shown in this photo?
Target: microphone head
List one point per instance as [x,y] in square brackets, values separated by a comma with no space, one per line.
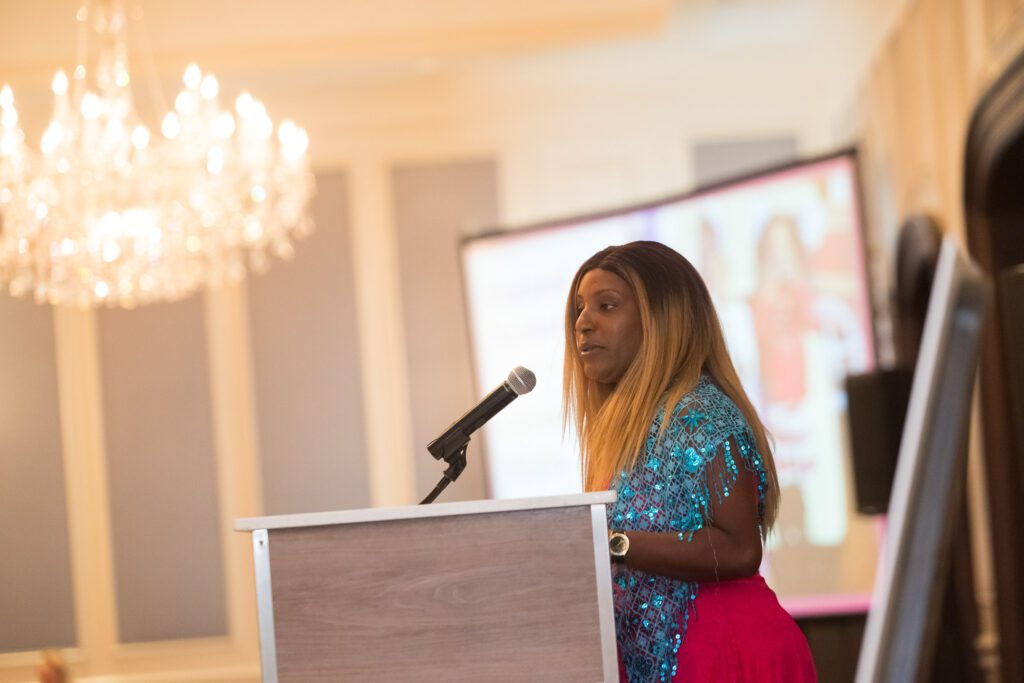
[521,380]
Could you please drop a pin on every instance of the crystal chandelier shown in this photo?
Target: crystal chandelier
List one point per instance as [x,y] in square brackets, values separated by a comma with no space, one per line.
[108,213]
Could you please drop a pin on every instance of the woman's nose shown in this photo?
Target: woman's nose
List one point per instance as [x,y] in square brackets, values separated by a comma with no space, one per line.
[583,322]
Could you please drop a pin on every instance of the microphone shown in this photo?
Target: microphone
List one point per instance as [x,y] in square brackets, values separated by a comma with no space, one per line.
[520,381]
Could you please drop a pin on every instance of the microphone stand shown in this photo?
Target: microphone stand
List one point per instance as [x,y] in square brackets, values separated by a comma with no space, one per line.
[452,452]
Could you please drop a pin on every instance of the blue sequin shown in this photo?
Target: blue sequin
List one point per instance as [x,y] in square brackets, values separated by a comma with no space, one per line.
[693,460]
[672,489]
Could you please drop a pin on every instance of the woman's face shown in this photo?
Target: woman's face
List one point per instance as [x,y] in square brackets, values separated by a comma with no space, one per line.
[608,331]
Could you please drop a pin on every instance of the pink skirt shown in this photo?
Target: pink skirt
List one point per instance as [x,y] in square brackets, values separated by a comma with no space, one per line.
[738,633]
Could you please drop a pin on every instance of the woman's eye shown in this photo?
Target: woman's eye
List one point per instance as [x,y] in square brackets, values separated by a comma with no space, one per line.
[607,306]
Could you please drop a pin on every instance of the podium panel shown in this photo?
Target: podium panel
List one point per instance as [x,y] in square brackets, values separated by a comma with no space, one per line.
[478,591]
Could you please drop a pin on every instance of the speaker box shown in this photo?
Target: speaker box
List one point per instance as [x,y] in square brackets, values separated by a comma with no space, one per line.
[877,409]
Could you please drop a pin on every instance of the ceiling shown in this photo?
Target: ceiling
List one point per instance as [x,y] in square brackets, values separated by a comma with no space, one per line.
[325,62]
[243,36]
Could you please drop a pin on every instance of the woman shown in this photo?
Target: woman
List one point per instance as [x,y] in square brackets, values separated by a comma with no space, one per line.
[663,421]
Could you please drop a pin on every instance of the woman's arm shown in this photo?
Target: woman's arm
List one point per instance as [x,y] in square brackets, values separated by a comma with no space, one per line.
[728,548]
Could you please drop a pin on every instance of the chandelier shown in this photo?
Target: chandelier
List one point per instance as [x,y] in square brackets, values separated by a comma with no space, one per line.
[110,213]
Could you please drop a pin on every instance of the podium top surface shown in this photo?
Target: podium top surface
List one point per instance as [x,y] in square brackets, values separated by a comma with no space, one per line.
[472,507]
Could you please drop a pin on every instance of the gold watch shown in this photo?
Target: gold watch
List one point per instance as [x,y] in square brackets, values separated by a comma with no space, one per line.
[618,546]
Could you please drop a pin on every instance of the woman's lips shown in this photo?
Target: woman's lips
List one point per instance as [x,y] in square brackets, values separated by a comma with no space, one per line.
[587,349]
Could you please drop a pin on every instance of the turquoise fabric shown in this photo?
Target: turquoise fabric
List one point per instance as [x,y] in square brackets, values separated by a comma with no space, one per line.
[672,488]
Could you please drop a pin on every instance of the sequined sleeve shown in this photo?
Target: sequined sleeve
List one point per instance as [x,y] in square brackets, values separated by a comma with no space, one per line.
[685,471]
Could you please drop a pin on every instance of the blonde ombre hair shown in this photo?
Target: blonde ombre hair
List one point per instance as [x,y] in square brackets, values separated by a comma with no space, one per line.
[681,338]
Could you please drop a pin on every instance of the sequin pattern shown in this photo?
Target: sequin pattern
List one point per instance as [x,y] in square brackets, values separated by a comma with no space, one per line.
[673,488]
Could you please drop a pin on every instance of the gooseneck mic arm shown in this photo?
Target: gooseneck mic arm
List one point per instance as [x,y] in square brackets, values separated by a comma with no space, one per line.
[451,445]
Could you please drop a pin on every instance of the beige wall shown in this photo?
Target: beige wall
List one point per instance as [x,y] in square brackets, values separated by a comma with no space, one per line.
[911,109]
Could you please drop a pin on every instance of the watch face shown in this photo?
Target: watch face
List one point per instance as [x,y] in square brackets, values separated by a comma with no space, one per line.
[618,544]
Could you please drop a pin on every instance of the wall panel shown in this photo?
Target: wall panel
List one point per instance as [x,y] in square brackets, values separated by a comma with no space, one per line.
[435,205]
[35,575]
[163,492]
[306,374]
[723,159]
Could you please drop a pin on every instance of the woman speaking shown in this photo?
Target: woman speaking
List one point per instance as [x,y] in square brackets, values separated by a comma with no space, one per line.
[664,422]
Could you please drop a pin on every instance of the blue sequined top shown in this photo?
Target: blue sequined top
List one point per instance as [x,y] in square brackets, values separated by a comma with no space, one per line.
[671,489]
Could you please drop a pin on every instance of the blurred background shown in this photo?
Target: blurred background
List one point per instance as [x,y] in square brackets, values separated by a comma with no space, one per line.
[130,440]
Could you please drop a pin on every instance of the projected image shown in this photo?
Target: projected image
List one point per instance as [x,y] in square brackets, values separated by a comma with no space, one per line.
[783,257]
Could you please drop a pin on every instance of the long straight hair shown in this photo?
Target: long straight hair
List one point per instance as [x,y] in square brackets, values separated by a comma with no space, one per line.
[681,339]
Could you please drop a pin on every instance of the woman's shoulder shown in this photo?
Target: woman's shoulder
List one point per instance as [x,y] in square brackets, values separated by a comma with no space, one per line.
[707,405]
[705,394]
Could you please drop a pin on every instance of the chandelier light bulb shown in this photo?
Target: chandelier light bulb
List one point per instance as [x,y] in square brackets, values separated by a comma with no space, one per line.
[186,103]
[121,76]
[171,126]
[293,139]
[193,76]
[107,213]
[140,137]
[114,131]
[244,104]
[91,107]
[215,160]
[209,87]
[111,251]
[52,137]
[60,82]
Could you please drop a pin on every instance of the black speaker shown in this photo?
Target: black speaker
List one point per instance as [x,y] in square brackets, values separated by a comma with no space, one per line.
[877,408]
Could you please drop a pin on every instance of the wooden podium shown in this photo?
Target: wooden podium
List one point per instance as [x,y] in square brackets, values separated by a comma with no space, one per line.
[494,590]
